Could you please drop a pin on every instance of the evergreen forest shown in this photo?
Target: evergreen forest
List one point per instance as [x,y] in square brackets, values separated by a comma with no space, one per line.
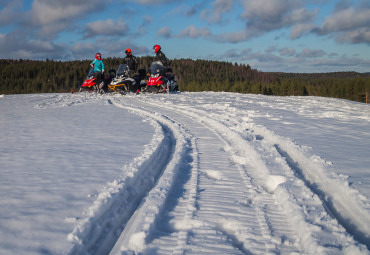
[49,76]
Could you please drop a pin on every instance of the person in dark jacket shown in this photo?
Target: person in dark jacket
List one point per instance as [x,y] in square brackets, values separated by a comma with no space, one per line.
[160,55]
[131,61]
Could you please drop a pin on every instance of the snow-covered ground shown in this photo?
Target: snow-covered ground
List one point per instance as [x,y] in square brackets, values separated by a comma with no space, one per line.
[186,173]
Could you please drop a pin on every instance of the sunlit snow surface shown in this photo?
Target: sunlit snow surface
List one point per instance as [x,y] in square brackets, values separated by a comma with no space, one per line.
[186,173]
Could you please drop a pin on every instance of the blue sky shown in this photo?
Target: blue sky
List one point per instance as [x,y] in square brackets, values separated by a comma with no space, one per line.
[269,35]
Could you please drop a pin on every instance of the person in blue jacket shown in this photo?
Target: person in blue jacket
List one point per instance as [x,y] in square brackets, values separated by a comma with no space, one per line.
[98,65]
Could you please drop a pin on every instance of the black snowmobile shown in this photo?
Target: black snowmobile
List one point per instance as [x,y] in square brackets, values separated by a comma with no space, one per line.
[141,79]
[122,83]
[172,84]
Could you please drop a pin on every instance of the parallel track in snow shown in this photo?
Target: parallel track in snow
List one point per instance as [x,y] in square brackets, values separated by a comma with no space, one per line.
[257,207]
[184,158]
[249,153]
[128,215]
[217,185]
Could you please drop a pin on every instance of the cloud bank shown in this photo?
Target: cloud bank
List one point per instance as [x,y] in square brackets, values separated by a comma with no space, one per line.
[288,30]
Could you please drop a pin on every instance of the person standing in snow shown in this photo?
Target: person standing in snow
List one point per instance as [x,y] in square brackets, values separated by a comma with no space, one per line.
[160,55]
[131,61]
[98,65]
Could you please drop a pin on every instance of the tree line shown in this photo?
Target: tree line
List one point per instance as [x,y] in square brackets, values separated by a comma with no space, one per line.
[49,76]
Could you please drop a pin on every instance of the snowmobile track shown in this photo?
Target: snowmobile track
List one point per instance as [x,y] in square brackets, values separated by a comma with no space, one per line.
[207,175]
[264,221]
[183,158]
[101,233]
[256,175]
[267,182]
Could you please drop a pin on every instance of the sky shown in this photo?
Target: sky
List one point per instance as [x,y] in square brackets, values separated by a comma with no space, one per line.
[269,35]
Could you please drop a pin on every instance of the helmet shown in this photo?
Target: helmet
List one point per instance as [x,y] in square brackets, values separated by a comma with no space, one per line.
[156,48]
[128,51]
[98,56]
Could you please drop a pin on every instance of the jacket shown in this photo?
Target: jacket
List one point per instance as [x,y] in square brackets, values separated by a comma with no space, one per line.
[131,61]
[98,65]
[161,57]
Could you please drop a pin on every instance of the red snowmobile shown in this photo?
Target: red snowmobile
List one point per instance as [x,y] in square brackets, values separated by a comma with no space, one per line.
[157,80]
[93,82]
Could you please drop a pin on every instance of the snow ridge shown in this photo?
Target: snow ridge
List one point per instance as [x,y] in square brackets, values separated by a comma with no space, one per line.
[250,161]
[253,169]
[137,231]
[345,203]
[97,233]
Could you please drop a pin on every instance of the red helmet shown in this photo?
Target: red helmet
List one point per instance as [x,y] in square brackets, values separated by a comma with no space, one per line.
[156,48]
[98,56]
[128,51]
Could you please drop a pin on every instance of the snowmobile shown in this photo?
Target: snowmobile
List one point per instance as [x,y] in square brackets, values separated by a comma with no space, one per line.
[161,80]
[122,83]
[141,79]
[172,84]
[93,82]
[157,82]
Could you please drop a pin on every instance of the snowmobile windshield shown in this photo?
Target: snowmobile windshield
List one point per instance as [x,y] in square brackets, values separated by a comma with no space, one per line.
[156,68]
[122,70]
[91,72]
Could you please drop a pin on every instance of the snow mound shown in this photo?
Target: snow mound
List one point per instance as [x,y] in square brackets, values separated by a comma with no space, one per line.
[273,181]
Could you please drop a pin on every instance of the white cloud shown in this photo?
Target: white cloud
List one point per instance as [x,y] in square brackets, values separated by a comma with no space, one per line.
[106,27]
[150,2]
[195,8]
[219,7]
[289,61]
[193,32]
[269,14]
[53,16]
[264,16]
[50,11]
[9,10]
[359,35]
[298,30]
[233,37]
[309,53]
[287,52]
[348,25]
[165,32]
[17,46]
[271,49]
[347,19]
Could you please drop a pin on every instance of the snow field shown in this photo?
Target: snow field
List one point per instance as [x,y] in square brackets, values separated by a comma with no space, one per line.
[267,181]
[199,173]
